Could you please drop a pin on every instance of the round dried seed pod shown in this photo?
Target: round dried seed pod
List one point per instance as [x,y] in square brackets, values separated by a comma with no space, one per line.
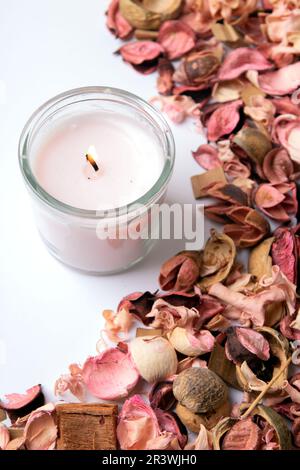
[282,431]
[149,14]
[199,390]
[193,421]
[279,349]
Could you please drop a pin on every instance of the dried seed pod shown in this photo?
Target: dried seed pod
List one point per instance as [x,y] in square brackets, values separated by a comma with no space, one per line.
[282,432]
[199,390]
[197,68]
[149,14]
[193,421]
[279,353]
[260,261]
[253,142]
[154,358]
[217,261]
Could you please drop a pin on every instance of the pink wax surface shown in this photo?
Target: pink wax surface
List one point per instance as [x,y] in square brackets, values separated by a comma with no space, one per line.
[130,160]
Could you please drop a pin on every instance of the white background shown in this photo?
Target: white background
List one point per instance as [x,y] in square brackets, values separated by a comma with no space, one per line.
[51,315]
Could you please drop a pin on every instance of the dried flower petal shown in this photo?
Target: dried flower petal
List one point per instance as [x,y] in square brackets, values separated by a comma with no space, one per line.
[170,423]
[167,316]
[296,432]
[223,120]
[116,23]
[111,375]
[180,272]
[161,395]
[137,426]
[115,323]
[277,166]
[40,431]
[142,55]
[282,81]
[207,157]
[254,341]
[177,107]
[18,404]
[244,435]
[72,382]
[277,201]
[4,436]
[241,60]
[176,38]
[202,442]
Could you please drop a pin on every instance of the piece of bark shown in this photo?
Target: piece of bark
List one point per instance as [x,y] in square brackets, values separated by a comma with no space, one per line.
[147,332]
[15,433]
[224,368]
[90,426]
[204,180]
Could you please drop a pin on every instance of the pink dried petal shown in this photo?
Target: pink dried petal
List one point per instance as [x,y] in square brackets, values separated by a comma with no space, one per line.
[111,375]
[207,157]
[168,317]
[255,342]
[180,272]
[4,436]
[116,23]
[169,423]
[283,254]
[209,308]
[40,431]
[72,382]
[234,168]
[277,166]
[177,107]
[244,435]
[285,105]
[116,323]
[268,196]
[19,404]
[223,120]
[282,81]
[242,60]
[275,289]
[137,425]
[138,52]
[202,340]
[176,38]
[287,330]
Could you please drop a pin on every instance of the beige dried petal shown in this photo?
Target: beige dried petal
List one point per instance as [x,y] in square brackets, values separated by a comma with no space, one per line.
[227,91]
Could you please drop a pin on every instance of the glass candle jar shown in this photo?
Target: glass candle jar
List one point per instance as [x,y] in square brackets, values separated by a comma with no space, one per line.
[94,211]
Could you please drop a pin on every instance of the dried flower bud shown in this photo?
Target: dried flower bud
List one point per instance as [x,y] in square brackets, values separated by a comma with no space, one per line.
[197,68]
[180,272]
[154,358]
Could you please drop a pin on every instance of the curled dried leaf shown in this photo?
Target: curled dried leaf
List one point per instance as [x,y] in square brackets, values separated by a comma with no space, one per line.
[253,142]
[260,261]
[217,261]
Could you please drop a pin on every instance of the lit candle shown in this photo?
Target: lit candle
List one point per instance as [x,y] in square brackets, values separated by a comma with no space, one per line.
[121,165]
[92,150]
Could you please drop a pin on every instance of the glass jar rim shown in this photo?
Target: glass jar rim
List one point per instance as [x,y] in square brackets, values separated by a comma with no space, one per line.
[154,115]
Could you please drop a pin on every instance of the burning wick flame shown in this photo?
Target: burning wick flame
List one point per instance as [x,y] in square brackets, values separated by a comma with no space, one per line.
[92,157]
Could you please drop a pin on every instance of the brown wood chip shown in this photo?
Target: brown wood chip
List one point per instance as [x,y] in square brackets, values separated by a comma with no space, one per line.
[89,426]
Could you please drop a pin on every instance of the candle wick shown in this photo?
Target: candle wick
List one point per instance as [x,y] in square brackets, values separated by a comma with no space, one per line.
[92,162]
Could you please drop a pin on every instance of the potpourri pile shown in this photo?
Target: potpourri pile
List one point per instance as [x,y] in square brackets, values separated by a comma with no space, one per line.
[233,66]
